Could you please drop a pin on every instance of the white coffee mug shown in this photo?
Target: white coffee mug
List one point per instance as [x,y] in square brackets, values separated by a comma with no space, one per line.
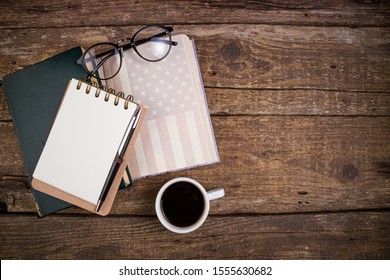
[207,196]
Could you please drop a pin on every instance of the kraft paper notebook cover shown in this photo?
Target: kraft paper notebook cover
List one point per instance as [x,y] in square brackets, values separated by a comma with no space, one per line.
[177,133]
[93,133]
[34,95]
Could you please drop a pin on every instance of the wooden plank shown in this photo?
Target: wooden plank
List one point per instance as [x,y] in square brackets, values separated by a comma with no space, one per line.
[269,164]
[356,235]
[68,13]
[5,115]
[242,56]
[10,154]
[229,102]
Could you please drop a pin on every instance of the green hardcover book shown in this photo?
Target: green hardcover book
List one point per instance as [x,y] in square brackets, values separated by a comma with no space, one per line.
[34,95]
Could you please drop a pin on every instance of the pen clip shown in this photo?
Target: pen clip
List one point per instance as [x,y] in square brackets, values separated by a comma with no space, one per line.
[129,132]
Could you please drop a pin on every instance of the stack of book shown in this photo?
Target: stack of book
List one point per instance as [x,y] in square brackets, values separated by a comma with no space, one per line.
[34,96]
[69,147]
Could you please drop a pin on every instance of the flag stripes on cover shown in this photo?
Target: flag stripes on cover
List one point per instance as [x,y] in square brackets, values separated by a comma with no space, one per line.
[171,142]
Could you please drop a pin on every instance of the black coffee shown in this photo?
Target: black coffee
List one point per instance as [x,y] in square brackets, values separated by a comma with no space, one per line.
[182,204]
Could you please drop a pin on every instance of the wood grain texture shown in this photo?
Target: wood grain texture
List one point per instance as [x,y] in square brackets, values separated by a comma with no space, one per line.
[241,56]
[360,235]
[272,164]
[299,93]
[84,13]
[10,154]
[231,102]
[227,102]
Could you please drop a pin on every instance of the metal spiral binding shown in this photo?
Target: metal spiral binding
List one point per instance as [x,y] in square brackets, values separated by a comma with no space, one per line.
[118,95]
[91,84]
[108,92]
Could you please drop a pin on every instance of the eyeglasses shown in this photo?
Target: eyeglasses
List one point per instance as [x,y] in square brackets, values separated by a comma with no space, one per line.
[152,43]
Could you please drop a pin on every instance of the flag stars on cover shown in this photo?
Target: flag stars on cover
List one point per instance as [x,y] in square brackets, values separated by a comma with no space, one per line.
[166,85]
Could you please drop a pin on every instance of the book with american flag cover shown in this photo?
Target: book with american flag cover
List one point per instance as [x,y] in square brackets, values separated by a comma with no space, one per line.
[177,133]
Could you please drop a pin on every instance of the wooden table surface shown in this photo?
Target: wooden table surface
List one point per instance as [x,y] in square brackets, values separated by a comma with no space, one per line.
[299,97]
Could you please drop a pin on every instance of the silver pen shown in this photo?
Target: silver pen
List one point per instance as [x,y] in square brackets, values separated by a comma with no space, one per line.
[119,156]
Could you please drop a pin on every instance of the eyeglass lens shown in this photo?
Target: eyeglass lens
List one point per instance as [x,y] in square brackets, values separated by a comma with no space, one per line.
[152,43]
[104,53]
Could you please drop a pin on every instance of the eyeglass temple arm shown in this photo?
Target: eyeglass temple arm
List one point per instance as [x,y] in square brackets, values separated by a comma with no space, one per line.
[143,41]
[102,61]
[137,43]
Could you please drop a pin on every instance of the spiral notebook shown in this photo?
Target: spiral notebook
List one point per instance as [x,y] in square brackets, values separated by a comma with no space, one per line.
[88,146]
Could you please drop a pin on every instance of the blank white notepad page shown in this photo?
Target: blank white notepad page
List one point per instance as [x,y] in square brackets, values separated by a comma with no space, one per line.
[83,142]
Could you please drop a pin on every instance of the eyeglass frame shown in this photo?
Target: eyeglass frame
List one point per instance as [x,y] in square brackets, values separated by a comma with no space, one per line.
[132,44]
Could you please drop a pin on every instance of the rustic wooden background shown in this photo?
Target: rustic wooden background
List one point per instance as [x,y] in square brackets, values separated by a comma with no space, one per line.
[299,94]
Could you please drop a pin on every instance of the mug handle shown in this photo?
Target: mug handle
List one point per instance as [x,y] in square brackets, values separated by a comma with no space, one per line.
[217,193]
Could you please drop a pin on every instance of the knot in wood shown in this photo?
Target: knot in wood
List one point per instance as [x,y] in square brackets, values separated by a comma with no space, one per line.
[231,51]
[349,172]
